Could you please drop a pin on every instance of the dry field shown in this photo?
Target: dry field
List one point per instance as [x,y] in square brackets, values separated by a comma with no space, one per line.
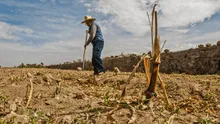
[61,96]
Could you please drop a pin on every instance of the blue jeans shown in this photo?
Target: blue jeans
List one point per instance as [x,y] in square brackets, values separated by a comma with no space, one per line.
[96,56]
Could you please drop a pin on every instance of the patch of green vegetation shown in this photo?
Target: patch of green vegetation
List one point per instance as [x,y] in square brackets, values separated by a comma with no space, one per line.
[166,122]
[9,121]
[78,121]
[106,98]
[144,99]
[2,122]
[88,106]
[177,110]
[3,98]
[204,121]
[209,96]
[121,82]
[124,105]
[39,117]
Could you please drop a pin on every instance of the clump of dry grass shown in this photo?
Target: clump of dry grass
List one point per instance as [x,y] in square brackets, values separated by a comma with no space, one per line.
[208,45]
[201,46]
[218,43]
[166,50]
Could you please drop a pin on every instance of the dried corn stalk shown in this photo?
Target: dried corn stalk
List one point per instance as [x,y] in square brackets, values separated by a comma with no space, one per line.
[156,50]
[156,58]
[152,28]
[164,90]
[147,71]
[31,91]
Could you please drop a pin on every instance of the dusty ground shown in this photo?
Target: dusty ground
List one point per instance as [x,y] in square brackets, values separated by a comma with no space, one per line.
[83,100]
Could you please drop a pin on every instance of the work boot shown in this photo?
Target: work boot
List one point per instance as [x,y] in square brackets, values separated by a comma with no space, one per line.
[95,73]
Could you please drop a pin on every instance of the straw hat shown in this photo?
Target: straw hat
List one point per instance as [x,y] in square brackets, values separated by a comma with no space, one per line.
[88,18]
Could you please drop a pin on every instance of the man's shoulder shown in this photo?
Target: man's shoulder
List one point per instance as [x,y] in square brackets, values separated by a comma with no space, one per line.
[94,25]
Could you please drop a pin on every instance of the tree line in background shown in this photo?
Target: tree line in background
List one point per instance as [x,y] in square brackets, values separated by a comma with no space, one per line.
[65,65]
[22,65]
[71,65]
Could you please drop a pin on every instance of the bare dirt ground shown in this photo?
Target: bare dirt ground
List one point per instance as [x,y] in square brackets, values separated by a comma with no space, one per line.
[83,100]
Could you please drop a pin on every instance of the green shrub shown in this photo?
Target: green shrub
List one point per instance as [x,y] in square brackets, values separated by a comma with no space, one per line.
[218,43]
[201,46]
[166,50]
[208,45]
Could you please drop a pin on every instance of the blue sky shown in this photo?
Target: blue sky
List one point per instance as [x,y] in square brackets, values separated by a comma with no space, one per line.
[50,31]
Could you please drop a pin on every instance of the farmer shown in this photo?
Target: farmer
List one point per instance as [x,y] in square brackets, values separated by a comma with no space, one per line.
[96,38]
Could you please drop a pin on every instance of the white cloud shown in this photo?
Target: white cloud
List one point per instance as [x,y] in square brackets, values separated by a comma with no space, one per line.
[20,4]
[59,46]
[211,37]
[10,32]
[178,30]
[177,13]
[48,53]
[180,41]
[131,15]
[42,0]
[87,5]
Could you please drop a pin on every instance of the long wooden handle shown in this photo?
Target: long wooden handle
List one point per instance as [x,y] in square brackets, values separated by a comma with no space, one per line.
[84,53]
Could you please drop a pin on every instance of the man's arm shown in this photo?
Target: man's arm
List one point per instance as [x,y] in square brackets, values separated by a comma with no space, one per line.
[91,34]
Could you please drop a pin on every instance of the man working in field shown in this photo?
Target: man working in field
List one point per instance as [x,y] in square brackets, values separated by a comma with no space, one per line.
[96,38]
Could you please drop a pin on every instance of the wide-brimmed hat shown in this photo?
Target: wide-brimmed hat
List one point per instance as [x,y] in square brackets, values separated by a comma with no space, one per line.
[88,18]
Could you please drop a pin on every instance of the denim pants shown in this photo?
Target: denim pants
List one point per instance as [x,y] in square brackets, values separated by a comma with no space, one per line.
[96,56]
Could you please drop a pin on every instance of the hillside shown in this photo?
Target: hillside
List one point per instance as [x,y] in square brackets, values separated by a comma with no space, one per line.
[204,60]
